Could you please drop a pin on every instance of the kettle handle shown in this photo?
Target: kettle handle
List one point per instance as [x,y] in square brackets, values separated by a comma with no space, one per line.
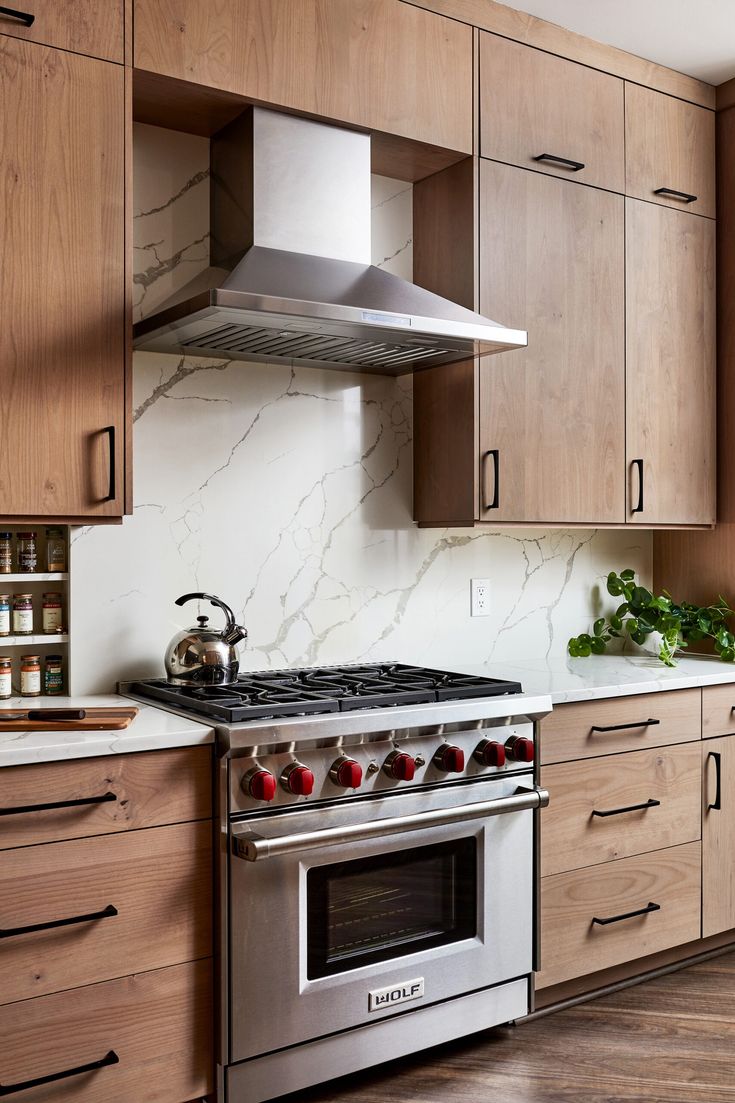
[212,601]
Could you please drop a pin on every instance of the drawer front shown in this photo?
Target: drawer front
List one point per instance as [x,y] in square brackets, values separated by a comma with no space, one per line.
[147,894]
[669,144]
[718,711]
[572,945]
[602,809]
[533,103]
[157,1024]
[92,27]
[117,793]
[590,728]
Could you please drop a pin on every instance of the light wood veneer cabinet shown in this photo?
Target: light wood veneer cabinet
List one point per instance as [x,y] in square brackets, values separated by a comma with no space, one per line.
[62,284]
[93,27]
[718,809]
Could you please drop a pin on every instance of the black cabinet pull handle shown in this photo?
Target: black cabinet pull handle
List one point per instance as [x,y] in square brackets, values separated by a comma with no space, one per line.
[575,166]
[111,491]
[22,809]
[639,507]
[651,803]
[716,804]
[110,1058]
[623,727]
[107,912]
[626,915]
[683,195]
[23,16]
[495,453]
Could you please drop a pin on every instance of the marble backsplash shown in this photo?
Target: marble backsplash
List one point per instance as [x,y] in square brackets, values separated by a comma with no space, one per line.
[287,492]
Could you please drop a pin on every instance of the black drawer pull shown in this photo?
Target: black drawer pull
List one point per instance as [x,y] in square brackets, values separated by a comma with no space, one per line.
[716,804]
[639,465]
[111,491]
[89,918]
[683,195]
[627,915]
[23,16]
[575,166]
[110,1058]
[651,803]
[495,453]
[623,727]
[22,809]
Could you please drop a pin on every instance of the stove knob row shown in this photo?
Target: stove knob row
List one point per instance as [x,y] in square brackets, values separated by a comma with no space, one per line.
[346,773]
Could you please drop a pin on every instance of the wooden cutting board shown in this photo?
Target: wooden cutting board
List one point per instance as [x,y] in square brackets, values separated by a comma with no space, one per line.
[95,720]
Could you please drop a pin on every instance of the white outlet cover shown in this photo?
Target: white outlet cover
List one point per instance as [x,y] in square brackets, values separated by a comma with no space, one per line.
[480,597]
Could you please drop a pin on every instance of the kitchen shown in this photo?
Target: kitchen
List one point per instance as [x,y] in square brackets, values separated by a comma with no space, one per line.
[280,370]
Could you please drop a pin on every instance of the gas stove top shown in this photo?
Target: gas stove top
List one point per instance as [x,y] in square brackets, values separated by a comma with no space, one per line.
[271,694]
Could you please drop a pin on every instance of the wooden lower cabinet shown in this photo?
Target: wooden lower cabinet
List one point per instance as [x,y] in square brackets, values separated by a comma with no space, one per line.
[154,1027]
[718,835]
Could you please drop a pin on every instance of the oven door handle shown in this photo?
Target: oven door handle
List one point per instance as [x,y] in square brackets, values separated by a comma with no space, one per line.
[253,847]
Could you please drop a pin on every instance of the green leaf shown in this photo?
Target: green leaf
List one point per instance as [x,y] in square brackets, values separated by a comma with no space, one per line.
[598,626]
[622,610]
[631,626]
[627,574]
[642,596]
[616,622]
[614,586]
[598,647]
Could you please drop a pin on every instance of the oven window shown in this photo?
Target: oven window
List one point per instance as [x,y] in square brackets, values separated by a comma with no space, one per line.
[375,909]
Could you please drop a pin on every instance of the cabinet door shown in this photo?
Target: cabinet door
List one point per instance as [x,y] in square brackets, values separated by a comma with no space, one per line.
[718,835]
[670,365]
[552,416]
[380,64]
[93,27]
[62,378]
[544,112]
[669,151]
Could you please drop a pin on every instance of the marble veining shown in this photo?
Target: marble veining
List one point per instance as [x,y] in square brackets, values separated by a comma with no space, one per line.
[287,491]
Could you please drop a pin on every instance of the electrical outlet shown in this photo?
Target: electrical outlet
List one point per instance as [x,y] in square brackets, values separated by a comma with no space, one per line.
[480,597]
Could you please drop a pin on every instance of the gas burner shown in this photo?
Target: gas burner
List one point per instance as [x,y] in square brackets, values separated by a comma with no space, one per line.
[277,693]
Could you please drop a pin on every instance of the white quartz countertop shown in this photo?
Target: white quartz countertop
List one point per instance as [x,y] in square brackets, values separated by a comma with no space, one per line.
[151,730]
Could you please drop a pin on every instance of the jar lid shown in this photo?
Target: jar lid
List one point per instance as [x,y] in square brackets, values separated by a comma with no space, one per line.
[27,535]
[30,658]
[5,660]
[5,597]
[54,532]
[5,535]
[52,593]
[22,597]
[53,658]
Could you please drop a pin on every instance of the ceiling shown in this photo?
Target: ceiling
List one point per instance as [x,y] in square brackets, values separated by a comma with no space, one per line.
[697,37]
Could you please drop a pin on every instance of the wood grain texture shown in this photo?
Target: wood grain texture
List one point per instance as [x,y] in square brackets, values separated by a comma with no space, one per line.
[159,880]
[572,837]
[152,789]
[669,144]
[62,361]
[571,945]
[159,1023]
[670,363]
[93,27]
[718,836]
[566,734]
[96,719]
[380,64]
[532,102]
[551,262]
[718,711]
[445,233]
[522,27]
[445,444]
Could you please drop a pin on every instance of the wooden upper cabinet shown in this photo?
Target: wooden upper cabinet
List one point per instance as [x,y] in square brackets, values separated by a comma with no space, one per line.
[543,112]
[552,415]
[93,27]
[669,151]
[379,64]
[670,365]
[62,357]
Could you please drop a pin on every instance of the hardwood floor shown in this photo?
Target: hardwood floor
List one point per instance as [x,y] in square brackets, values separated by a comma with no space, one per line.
[670,1040]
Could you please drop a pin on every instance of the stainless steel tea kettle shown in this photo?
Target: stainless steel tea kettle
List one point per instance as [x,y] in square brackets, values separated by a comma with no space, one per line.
[202,656]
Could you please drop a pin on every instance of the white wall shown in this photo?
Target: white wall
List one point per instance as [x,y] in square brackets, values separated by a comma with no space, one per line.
[287,492]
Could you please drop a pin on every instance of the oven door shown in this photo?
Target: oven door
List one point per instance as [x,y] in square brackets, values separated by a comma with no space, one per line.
[349,914]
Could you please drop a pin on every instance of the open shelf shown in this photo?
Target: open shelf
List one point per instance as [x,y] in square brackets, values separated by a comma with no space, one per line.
[34,640]
[35,576]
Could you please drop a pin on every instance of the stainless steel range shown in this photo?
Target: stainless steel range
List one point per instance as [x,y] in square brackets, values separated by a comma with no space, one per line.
[377,865]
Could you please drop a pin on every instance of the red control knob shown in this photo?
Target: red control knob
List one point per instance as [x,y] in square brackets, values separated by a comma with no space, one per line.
[260,784]
[298,779]
[490,753]
[400,766]
[346,773]
[520,749]
[450,759]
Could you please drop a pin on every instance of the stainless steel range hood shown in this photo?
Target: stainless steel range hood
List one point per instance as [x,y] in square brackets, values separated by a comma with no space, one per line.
[290,276]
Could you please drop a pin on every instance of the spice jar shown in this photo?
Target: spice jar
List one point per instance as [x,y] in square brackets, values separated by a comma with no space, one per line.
[52,619]
[27,552]
[55,550]
[23,615]
[53,678]
[4,614]
[30,675]
[6,680]
[6,552]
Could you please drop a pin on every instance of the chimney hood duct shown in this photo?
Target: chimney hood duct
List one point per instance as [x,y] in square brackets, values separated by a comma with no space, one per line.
[290,277]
